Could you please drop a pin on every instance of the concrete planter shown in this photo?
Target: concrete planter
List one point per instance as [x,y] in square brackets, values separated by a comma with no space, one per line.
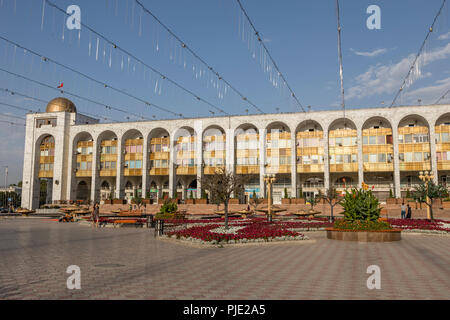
[234,201]
[108,202]
[285,201]
[446,204]
[189,201]
[201,201]
[119,201]
[364,236]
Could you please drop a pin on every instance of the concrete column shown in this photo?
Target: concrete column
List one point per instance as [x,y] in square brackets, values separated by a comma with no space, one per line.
[198,127]
[119,170]
[293,165]
[262,160]
[172,171]
[434,169]
[230,147]
[326,162]
[397,190]
[145,167]
[359,141]
[95,179]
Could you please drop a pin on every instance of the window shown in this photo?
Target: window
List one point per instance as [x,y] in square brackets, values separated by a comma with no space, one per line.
[365,157]
[338,142]
[381,139]
[372,139]
[389,139]
[113,164]
[382,157]
[365,140]
[138,164]
[373,158]
[445,137]
[408,138]
[417,156]
[401,157]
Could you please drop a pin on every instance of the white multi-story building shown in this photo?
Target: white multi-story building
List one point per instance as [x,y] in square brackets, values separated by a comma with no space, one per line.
[82,159]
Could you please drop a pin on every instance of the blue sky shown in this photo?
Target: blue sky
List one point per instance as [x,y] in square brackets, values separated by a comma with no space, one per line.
[301,36]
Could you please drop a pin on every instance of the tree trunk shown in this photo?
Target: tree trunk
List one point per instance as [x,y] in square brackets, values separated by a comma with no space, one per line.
[431,210]
[226,214]
[331,213]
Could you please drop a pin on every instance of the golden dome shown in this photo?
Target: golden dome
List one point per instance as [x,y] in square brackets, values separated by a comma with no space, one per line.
[61,105]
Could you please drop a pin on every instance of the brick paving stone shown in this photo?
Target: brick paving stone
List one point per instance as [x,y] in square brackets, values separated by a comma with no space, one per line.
[34,255]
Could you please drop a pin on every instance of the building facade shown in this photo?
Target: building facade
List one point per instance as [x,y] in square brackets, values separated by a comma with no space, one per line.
[80,159]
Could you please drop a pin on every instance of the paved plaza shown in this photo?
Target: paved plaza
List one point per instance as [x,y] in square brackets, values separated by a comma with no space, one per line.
[129,263]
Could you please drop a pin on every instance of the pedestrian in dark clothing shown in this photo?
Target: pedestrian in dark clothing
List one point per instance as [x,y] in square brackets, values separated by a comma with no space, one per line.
[408,215]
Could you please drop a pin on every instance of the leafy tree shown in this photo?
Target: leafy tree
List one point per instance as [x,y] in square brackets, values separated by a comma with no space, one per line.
[360,205]
[432,190]
[391,194]
[408,194]
[223,184]
[333,198]
[191,195]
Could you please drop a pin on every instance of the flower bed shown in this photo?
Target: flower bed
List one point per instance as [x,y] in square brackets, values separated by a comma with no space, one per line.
[440,226]
[240,232]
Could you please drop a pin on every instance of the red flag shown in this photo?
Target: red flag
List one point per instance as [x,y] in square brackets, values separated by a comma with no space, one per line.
[61,85]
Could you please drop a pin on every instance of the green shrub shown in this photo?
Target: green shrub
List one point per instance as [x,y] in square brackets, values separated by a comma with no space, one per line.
[360,205]
[168,207]
[285,193]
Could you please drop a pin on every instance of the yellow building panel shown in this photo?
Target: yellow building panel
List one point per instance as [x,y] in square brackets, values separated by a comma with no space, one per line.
[411,130]
[108,157]
[414,147]
[159,156]
[45,174]
[342,133]
[377,132]
[134,156]
[247,169]
[414,166]
[304,168]
[108,172]
[282,168]
[187,170]
[442,147]
[109,143]
[344,167]
[132,172]
[212,170]
[443,165]
[84,173]
[159,172]
[378,167]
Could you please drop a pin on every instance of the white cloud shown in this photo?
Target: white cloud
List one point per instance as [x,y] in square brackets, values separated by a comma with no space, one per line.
[267,40]
[369,54]
[386,79]
[444,36]
[429,94]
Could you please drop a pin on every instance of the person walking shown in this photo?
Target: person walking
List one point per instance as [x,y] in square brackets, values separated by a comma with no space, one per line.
[96,214]
[403,208]
[408,215]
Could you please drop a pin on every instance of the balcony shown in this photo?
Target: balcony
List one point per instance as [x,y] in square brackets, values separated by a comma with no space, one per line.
[344,167]
[212,170]
[83,173]
[159,172]
[132,172]
[187,171]
[108,172]
[305,168]
[443,165]
[251,169]
[415,166]
[45,174]
[282,168]
[378,167]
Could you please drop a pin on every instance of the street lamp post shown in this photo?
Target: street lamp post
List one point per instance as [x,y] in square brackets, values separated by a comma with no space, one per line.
[269,179]
[426,177]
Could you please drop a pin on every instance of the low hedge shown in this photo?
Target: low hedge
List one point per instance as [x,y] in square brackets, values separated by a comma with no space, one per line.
[363,225]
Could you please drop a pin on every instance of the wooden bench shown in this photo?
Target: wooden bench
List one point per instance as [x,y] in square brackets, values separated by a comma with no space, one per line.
[135,222]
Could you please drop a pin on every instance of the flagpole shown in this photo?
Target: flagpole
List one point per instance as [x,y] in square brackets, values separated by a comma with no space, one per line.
[341,69]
